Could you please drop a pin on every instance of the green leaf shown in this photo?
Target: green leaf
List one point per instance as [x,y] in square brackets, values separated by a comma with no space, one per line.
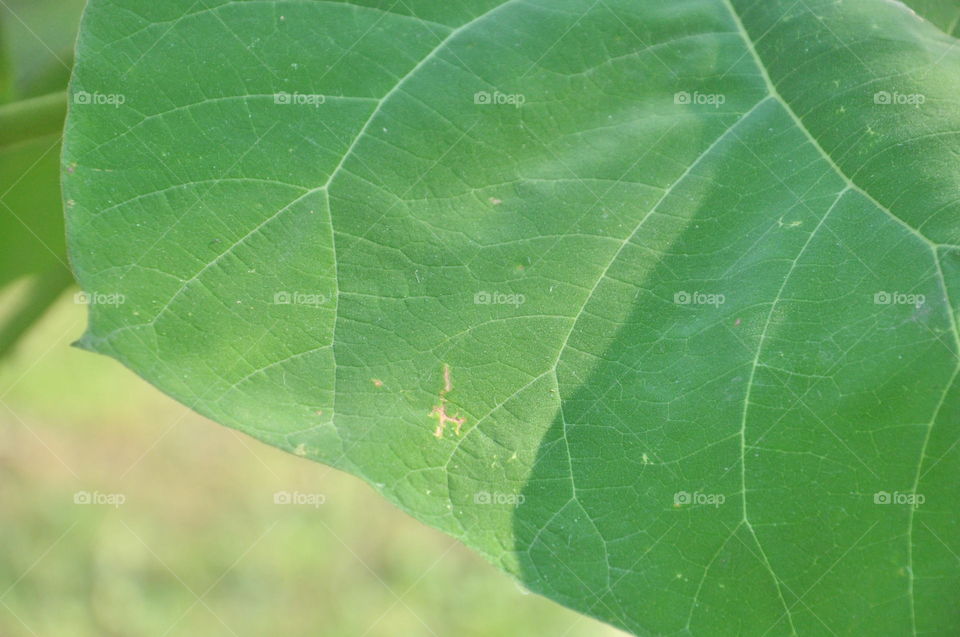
[652,304]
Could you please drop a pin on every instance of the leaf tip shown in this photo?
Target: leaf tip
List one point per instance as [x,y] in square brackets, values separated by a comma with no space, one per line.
[87,342]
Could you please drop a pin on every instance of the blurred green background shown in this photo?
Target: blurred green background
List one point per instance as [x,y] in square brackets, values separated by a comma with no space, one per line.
[36,43]
[198,545]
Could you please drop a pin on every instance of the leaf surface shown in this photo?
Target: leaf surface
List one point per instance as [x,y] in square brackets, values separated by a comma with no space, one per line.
[684,276]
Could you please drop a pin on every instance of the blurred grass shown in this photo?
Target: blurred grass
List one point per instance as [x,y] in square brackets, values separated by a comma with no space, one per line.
[199,547]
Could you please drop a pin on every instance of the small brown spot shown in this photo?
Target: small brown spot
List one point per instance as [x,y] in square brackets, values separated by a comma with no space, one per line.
[737,322]
[440,411]
[495,201]
[376,382]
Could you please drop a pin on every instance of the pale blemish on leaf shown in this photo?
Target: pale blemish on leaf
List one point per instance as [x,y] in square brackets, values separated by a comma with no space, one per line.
[440,411]
[788,224]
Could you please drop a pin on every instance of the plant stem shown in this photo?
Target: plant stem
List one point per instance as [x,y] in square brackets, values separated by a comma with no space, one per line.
[32,118]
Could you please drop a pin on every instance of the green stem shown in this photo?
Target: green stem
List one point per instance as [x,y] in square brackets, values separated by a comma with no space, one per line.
[32,118]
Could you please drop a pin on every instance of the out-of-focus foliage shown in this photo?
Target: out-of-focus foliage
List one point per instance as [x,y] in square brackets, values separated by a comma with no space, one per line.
[943,13]
[206,523]
[36,54]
